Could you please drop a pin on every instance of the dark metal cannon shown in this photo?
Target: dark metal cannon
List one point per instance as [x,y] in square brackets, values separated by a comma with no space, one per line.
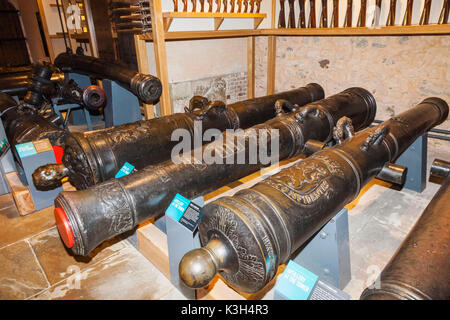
[420,269]
[97,156]
[18,84]
[146,87]
[46,83]
[23,123]
[27,121]
[41,85]
[92,97]
[87,218]
[248,236]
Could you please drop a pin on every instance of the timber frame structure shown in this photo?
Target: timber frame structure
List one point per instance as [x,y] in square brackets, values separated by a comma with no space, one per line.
[160,34]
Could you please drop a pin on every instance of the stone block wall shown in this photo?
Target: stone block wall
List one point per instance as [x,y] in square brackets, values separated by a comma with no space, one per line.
[228,88]
[400,71]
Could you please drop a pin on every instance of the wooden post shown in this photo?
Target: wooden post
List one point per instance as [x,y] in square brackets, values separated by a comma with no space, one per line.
[251,67]
[91,29]
[271,53]
[142,60]
[69,32]
[271,66]
[51,52]
[160,55]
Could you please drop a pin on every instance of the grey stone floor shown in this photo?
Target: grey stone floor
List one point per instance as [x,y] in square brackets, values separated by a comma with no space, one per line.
[35,265]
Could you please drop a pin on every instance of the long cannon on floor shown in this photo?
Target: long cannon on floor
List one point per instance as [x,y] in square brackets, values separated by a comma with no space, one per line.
[146,87]
[93,157]
[87,218]
[248,236]
[420,269]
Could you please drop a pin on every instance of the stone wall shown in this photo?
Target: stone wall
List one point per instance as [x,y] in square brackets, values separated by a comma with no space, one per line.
[228,88]
[399,70]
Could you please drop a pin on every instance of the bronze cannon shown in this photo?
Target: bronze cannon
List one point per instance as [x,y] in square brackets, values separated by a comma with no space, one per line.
[93,157]
[87,218]
[420,269]
[246,237]
[146,87]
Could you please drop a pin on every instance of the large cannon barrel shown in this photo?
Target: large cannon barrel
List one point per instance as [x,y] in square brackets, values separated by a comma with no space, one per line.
[246,237]
[18,84]
[23,123]
[32,85]
[87,218]
[97,156]
[420,269]
[146,87]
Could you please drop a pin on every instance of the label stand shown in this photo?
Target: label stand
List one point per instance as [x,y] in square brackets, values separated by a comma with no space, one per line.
[7,164]
[181,236]
[298,283]
[33,155]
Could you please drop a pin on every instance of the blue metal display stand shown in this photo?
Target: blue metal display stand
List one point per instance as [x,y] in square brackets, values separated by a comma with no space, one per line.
[415,159]
[328,253]
[122,105]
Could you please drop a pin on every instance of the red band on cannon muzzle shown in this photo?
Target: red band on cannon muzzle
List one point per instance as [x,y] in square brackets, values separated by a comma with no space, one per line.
[64,228]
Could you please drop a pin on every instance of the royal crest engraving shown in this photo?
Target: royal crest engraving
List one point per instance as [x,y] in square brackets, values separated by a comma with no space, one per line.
[250,267]
[307,181]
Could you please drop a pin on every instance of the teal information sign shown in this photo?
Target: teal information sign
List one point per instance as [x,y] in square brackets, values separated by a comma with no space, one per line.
[26,150]
[2,143]
[4,147]
[177,208]
[296,282]
[125,170]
